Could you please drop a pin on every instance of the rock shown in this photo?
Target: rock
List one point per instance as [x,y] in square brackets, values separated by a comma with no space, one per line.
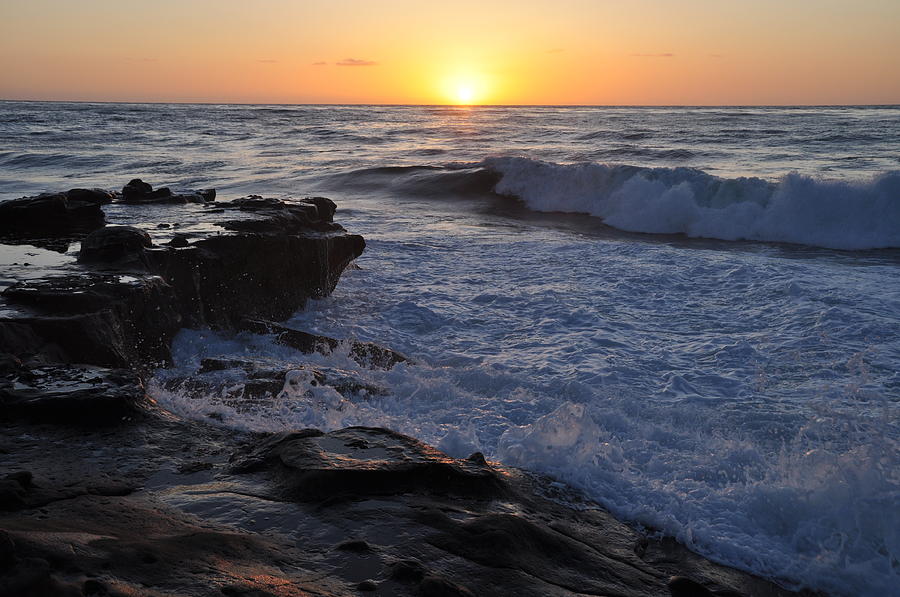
[220,279]
[74,394]
[50,214]
[95,196]
[129,547]
[363,461]
[114,244]
[355,546]
[407,571]
[106,320]
[511,541]
[367,585]
[438,586]
[280,217]
[117,320]
[138,191]
[179,241]
[367,354]
[679,586]
[12,495]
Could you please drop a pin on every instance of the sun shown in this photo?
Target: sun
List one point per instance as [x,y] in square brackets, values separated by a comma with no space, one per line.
[465,94]
[464,88]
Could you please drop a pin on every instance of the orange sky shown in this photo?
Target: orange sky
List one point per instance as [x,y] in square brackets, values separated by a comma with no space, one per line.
[398,51]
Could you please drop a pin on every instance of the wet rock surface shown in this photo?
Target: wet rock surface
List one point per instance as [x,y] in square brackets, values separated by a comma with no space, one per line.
[367,354]
[120,299]
[170,507]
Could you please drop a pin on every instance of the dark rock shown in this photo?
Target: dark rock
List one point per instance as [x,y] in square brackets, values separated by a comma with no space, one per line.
[280,217]
[107,320]
[7,550]
[367,354]
[95,196]
[220,279]
[94,588]
[407,571]
[367,586]
[261,379]
[138,191]
[438,586]
[355,546]
[363,461]
[114,244]
[50,214]
[12,495]
[510,541]
[179,241]
[73,394]
[477,458]
[23,478]
[679,586]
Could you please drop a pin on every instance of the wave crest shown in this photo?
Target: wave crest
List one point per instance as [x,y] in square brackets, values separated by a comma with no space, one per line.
[796,209]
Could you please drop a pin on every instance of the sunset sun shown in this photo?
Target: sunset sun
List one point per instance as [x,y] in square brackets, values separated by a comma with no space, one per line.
[466,87]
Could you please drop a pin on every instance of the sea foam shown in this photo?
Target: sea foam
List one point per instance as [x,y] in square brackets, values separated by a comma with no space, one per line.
[796,209]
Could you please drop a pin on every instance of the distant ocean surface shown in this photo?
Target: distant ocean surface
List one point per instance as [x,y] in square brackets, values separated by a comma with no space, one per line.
[691,314]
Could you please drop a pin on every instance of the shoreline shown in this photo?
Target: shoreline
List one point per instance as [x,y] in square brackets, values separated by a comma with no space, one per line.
[127,488]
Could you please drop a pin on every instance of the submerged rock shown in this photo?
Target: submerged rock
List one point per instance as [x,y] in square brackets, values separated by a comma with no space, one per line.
[367,354]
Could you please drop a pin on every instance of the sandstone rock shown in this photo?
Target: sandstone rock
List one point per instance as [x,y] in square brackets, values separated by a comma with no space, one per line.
[363,461]
[107,320]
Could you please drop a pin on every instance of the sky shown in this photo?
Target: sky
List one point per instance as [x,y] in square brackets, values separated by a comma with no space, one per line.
[600,52]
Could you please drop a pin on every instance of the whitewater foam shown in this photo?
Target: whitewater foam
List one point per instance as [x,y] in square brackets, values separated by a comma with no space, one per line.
[796,209]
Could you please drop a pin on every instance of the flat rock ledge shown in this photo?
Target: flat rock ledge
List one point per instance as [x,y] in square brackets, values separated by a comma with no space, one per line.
[104,494]
[147,264]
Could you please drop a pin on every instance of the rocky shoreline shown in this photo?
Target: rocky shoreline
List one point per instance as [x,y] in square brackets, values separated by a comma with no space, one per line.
[104,493]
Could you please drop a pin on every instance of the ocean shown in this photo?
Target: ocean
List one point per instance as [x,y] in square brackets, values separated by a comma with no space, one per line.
[690,314]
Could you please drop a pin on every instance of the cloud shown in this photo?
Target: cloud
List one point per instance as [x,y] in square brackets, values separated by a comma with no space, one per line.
[555,50]
[355,62]
[716,56]
[267,61]
[320,63]
[663,55]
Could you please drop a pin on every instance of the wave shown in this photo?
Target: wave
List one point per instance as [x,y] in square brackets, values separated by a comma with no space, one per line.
[796,209]
[424,181]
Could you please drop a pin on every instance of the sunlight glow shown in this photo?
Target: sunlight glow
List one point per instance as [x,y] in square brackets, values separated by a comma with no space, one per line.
[465,94]
[466,87]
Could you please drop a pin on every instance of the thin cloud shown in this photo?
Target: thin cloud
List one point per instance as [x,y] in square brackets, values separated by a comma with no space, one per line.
[320,63]
[355,62]
[716,56]
[663,55]
[555,50]
[267,61]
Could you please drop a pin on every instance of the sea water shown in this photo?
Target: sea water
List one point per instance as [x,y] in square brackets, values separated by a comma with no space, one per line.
[691,314]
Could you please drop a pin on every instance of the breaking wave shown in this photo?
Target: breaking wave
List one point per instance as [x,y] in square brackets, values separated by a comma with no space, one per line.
[796,209]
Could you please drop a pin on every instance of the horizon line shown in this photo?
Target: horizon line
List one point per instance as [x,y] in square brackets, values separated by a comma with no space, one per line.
[447,105]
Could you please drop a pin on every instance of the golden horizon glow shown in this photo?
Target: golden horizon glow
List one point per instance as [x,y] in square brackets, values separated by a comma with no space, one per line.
[648,52]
